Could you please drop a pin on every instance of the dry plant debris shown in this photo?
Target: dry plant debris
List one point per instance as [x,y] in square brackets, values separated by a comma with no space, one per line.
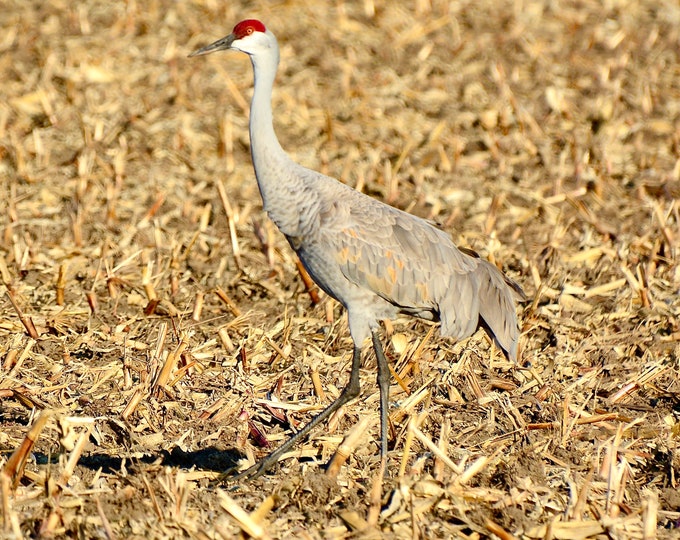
[155,329]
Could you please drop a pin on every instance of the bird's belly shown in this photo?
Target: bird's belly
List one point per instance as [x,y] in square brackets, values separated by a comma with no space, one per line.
[328,276]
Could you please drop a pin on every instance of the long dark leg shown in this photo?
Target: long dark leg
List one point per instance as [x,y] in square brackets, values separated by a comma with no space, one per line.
[348,393]
[384,386]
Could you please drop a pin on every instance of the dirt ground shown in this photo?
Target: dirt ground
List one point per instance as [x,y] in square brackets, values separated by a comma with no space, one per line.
[155,330]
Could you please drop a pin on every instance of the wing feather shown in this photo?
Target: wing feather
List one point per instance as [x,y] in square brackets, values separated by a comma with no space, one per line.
[401,258]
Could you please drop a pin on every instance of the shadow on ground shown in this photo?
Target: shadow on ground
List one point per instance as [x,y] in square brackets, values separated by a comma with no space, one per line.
[206,459]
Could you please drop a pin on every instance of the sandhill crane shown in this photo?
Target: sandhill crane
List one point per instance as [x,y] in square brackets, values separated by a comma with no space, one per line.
[376,260]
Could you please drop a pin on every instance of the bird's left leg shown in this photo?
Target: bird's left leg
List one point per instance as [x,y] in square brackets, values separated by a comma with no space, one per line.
[350,392]
[384,386]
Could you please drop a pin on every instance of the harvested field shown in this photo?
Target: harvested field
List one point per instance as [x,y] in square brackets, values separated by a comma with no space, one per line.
[155,330]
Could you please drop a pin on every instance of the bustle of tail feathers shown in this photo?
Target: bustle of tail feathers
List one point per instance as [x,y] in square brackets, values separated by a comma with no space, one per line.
[497,307]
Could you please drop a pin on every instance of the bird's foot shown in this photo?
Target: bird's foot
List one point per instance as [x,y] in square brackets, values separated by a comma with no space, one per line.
[252,472]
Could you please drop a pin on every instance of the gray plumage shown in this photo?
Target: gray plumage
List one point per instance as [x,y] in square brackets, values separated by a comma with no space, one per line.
[376,260]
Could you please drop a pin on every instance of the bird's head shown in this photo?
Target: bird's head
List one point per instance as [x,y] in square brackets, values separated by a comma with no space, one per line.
[249,36]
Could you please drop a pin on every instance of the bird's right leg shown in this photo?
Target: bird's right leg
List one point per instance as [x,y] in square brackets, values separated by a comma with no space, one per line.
[348,393]
[384,387]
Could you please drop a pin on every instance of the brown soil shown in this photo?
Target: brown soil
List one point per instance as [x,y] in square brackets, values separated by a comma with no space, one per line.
[545,135]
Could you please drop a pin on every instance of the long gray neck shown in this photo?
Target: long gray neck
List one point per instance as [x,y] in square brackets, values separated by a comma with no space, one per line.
[275,171]
[262,136]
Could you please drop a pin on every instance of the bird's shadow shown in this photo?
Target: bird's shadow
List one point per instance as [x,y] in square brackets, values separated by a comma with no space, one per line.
[207,459]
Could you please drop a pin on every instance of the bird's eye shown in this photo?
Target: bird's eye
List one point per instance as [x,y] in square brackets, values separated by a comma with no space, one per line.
[250,30]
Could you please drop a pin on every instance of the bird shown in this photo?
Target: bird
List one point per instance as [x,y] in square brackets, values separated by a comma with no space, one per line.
[376,260]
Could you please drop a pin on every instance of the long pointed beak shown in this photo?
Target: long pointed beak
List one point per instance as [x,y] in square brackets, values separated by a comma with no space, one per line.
[219,45]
